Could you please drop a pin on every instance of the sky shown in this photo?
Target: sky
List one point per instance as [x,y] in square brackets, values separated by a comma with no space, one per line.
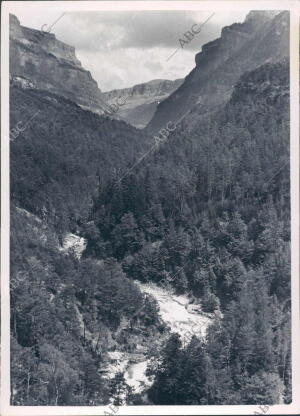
[125,48]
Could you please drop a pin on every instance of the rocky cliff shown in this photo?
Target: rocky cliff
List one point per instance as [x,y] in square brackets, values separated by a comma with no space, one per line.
[263,37]
[39,60]
[141,100]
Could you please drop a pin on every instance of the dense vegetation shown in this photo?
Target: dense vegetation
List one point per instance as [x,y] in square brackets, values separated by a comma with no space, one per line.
[63,154]
[208,212]
[66,313]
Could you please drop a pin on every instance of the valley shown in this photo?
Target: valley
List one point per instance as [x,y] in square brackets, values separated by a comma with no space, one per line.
[177,316]
[176,311]
[165,282]
[141,100]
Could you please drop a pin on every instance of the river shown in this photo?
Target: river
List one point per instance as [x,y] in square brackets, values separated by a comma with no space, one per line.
[176,311]
[181,317]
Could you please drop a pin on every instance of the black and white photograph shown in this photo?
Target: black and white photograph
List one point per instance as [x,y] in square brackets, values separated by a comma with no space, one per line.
[150,208]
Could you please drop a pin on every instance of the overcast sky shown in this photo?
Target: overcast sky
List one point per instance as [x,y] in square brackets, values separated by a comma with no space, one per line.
[125,48]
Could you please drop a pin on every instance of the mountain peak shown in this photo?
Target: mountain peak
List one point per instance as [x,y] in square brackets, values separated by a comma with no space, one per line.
[262,37]
[261,14]
[51,65]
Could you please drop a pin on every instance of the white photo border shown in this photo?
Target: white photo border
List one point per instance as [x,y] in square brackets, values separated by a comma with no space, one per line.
[64,6]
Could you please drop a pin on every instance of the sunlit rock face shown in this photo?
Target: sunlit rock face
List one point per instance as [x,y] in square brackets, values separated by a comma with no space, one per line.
[180,316]
[263,37]
[51,65]
[176,311]
[75,243]
[140,101]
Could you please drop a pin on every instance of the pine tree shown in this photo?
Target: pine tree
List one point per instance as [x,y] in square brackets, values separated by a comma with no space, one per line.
[165,389]
[126,236]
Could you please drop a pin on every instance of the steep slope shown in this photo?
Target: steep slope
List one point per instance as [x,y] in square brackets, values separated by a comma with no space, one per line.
[206,213]
[263,37]
[39,60]
[209,214]
[67,318]
[64,154]
[141,100]
[67,313]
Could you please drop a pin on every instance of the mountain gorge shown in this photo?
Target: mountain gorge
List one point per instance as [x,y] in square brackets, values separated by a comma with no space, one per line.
[65,153]
[184,273]
[48,64]
[262,38]
[140,101]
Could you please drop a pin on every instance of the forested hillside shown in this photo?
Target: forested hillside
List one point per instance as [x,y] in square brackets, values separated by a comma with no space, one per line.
[66,315]
[209,211]
[263,37]
[64,154]
[205,215]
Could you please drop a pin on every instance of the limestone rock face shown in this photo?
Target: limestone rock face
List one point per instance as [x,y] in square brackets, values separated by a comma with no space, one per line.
[51,65]
[140,101]
[263,37]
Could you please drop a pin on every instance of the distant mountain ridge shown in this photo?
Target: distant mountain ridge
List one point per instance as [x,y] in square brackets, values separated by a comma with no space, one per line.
[141,100]
[39,60]
[263,37]
[154,87]
[209,207]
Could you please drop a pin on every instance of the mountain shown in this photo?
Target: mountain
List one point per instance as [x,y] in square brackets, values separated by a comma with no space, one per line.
[262,37]
[64,154]
[66,151]
[209,214]
[206,215]
[141,100]
[60,156]
[39,60]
